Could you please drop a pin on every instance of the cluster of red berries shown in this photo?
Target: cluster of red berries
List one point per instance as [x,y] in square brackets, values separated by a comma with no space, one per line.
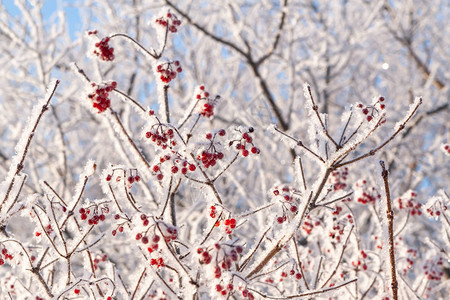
[371,110]
[411,255]
[292,272]
[285,195]
[224,289]
[179,164]
[245,142]
[119,227]
[361,262]
[157,262]
[205,104]
[130,179]
[99,259]
[100,95]
[310,223]
[338,179]
[433,268]
[210,156]
[96,217]
[102,48]
[169,71]
[170,21]
[161,137]
[337,230]
[205,256]
[365,194]
[410,203]
[436,209]
[213,212]
[247,294]
[4,255]
[225,256]
[230,224]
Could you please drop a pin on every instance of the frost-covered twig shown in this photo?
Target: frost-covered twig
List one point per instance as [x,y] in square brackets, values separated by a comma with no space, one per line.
[344,246]
[28,135]
[316,110]
[399,128]
[321,291]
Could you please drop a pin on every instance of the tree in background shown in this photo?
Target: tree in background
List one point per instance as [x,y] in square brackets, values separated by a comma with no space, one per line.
[180,153]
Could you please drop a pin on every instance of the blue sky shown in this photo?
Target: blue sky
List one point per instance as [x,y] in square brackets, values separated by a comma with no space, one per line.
[49,8]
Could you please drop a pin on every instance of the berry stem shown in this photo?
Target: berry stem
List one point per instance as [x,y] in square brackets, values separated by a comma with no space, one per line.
[325,130]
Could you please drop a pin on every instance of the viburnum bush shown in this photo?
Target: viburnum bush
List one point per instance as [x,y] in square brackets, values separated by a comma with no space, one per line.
[186,157]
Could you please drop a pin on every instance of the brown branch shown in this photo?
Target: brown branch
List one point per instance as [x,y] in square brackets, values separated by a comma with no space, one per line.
[138,283]
[254,65]
[390,217]
[277,37]
[130,141]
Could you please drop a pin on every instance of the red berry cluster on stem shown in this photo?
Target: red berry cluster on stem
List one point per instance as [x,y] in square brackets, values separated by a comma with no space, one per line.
[285,195]
[98,259]
[223,255]
[361,262]
[338,179]
[204,103]
[436,209]
[102,48]
[409,202]
[100,95]
[230,224]
[365,194]
[433,268]
[371,110]
[98,214]
[245,143]
[4,255]
[161,135]
[170,21]
[210,156]
[178,165]
[169,71]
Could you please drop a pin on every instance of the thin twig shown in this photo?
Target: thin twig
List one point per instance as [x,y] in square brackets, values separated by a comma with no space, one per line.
[344,246]
[299,263]
[138,283]
[308,293]
[374,150]
[300,144]
[316,110]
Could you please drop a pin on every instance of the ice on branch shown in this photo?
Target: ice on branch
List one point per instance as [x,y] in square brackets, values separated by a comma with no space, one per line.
[411,110]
